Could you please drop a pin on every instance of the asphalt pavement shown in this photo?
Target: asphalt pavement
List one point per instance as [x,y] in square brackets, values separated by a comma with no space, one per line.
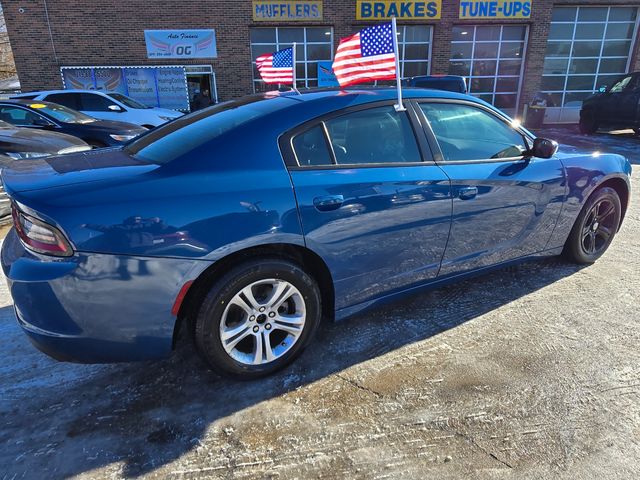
[530,372]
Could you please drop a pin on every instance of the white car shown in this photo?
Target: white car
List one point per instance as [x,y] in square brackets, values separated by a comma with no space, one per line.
[106,106]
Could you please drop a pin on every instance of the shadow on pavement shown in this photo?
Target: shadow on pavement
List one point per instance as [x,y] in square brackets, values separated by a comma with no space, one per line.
[622,142]
[147,415]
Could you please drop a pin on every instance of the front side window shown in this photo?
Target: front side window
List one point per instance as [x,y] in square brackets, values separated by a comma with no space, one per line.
[18,116]
[128,101]
[466,133]
[91,102]
[375,136]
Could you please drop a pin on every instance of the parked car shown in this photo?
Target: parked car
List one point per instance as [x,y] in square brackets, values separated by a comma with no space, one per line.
[50,116]
[451,83]
[614,106]
[248,222]
[26,144]
[106,106]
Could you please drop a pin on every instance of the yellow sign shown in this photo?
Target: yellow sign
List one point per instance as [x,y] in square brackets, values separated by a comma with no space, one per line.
[287,11]
[402,10]
[38,105]
[495,8]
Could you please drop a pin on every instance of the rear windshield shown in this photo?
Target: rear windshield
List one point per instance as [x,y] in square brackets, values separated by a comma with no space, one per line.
[180,136]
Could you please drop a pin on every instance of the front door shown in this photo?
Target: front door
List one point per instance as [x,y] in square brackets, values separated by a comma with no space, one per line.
[620,103]
[373,204]
[505,206]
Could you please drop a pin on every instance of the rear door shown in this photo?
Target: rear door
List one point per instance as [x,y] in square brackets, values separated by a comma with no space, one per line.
[505,205]
[372,202]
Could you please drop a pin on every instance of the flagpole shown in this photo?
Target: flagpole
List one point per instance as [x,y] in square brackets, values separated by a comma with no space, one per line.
[294,88]
[394,31]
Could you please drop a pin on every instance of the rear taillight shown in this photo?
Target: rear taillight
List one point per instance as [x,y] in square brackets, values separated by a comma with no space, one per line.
[40,236]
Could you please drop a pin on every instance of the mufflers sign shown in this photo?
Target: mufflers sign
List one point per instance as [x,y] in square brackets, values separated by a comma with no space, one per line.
[404,10]
[286,11]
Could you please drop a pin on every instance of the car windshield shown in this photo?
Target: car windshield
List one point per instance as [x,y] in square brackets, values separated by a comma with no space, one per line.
[183,135]
[128,101]
[60,113]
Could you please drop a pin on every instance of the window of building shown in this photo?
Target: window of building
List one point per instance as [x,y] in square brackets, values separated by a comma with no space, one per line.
[314,44]
[491,58]
[414,46]
[469,133]
[587,47]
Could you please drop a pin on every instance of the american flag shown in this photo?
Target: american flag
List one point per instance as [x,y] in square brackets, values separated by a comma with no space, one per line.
[367,55]
[276,67]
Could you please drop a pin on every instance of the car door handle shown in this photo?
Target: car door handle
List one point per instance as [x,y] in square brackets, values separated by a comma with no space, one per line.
[467,193]
[330,202]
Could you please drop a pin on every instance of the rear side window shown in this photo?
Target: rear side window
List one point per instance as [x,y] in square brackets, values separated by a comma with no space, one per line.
[311,147]
[374,136]
[69,100]
[465,132]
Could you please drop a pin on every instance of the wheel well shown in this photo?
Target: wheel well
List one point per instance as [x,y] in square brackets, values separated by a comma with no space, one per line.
[303,257]
[621,188]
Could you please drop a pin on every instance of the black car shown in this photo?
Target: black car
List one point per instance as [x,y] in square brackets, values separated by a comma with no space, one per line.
[451,83]
[54,117]
[24,143]
[615,106]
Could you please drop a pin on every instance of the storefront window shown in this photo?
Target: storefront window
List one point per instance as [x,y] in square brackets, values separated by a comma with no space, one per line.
[313,44]
[414,46]
[490,57]
[587,47]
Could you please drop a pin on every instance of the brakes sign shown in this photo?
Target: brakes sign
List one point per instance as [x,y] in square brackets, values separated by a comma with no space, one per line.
[495,9]
[387,9]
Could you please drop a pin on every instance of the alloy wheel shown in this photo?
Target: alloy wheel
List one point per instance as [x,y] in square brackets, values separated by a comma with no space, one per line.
[598,227]
[263,321]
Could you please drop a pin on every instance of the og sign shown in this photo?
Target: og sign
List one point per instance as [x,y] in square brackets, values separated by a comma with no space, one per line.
[180,43]
[495,8]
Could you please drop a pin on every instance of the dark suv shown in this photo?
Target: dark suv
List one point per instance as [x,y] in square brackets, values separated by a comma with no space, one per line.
[617,106]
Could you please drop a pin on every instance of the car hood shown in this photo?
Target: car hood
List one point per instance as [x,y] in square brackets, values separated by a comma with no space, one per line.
[32,140]
[63,170]
[165,112]
[112,126]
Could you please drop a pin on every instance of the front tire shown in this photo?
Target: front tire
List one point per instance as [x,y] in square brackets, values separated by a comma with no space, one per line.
[258,318]
[595,227]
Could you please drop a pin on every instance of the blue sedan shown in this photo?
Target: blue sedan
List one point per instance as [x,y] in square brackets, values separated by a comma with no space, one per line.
[248,222]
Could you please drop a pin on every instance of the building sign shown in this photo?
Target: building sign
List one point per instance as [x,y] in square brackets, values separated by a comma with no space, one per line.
[180,43]
[286,11]
[495,9]
[164,87]
[326,77]
[403,10]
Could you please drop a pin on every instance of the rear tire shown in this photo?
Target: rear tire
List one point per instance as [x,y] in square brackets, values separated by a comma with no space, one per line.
[588,123]
[258,318]
[595,227]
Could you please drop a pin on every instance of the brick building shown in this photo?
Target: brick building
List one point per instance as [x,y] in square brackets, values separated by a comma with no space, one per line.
[507,49]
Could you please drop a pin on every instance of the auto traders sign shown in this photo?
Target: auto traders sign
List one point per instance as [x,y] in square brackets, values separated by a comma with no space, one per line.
[180,43]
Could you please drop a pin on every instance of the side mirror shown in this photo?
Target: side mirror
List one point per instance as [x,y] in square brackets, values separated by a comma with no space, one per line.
[115,108]
[543,148]
[602,89]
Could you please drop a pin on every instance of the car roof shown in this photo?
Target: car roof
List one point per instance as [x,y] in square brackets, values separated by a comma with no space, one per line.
[49,92]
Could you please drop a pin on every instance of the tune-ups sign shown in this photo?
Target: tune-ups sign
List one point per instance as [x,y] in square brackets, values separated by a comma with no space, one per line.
[495,9]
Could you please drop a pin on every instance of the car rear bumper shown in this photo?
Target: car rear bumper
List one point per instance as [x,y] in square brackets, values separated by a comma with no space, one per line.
[94,308]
